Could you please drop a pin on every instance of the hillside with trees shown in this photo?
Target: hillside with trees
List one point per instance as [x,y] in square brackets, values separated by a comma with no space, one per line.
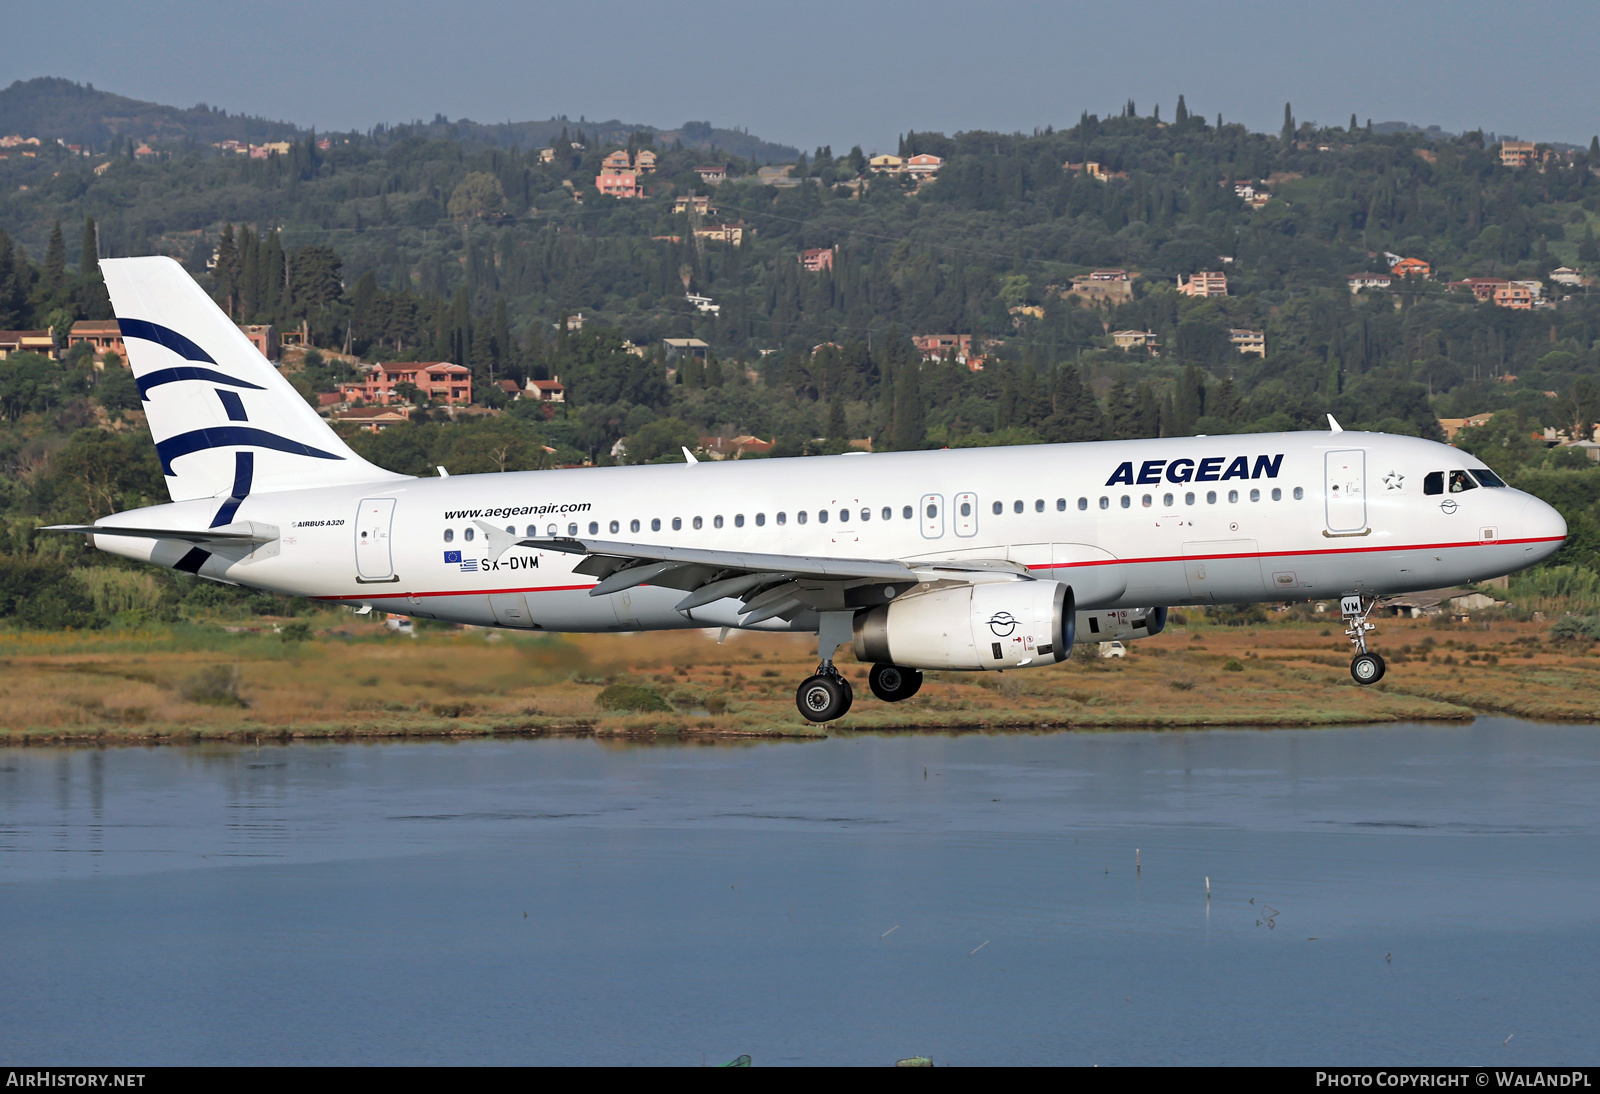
[450,241]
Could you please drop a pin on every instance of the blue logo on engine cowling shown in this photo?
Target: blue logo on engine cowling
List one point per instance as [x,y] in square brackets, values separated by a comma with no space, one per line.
[1210,469]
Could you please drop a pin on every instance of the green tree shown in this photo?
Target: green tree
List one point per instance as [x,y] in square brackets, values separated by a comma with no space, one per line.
[662,441]
[477,196]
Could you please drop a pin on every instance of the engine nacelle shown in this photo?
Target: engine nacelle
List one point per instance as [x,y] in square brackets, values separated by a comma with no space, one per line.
[995,625]
[1121,624]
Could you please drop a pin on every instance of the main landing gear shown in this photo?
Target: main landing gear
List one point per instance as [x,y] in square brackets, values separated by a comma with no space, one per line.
[891,683]
[826,694]
[1366,667]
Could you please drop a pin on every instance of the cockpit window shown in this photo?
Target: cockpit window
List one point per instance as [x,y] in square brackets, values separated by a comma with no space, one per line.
[1486,477]
[1461,482]
[1433,482]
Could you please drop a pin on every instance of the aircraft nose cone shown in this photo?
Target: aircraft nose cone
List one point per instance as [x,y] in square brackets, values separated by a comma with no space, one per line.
[1543,527]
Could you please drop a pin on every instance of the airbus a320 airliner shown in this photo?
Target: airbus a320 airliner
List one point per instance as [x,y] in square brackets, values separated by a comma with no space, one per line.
[970,559]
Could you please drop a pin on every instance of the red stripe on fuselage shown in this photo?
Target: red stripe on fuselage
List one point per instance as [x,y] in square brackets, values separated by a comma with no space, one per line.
[1296,554]
[1037,566]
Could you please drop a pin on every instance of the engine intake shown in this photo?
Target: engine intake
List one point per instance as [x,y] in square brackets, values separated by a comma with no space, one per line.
[998,625]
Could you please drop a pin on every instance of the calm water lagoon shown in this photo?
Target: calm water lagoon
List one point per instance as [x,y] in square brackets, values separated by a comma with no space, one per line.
[1399,894]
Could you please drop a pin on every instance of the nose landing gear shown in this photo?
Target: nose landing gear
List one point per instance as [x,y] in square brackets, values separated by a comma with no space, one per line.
[1366,667]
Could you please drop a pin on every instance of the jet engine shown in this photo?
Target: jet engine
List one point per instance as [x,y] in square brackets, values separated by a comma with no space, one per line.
[999,625]
[1121,624]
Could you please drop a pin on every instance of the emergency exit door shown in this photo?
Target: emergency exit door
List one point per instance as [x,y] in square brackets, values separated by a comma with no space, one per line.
[374,520]
[1345,490]
[931,510]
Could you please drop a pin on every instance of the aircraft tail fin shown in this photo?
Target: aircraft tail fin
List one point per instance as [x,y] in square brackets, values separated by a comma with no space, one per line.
[225,423]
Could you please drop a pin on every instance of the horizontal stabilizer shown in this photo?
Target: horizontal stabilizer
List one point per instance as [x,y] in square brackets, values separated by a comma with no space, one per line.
[188,535]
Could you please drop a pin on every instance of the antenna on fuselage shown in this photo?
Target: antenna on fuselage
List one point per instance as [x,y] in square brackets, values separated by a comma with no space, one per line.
[1333,424]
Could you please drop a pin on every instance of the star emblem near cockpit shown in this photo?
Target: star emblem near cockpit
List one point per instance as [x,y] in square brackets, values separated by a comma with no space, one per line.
[1394,480]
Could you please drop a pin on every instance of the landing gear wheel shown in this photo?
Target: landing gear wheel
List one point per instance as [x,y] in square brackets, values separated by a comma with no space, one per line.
[1367,668]
[891,683]
[822,698]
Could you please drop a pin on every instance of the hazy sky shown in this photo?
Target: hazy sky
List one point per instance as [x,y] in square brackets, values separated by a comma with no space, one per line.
[823,71]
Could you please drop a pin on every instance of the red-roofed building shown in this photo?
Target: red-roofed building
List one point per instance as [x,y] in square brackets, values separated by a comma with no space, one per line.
[438,380]
[1411,267]
[547,391]
[102,334]
[923,165]
[711,176]
[817,259]
[618,185]
[1481,287]
[1204,283]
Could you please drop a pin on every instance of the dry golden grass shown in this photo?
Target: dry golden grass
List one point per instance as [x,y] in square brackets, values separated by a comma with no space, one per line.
[354,679]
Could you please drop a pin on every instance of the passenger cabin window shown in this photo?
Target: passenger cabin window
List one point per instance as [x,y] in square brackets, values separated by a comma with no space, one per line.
[615,527]
[572,529]
[1016,506]
[800,516]
[905,513]
[761,520]
[998,507]
[1105,503]
[1146,501]
[1038,505]
[783,518]
[1083,503]
[716,521]
[594,528]
[1126,501]
[887,514]
[738,520]
[677,524]
[633,526]
[449,535]
[1299,493]
[699,523]
[1277,495]
[844,516]
[1255,495]
[1061,505]
[1166,500]
[655,524]
[822,516]
[467,535]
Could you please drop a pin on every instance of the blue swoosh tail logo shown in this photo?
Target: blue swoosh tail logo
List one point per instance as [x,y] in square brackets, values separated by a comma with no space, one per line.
[200,440]
[188,372]
[164,336]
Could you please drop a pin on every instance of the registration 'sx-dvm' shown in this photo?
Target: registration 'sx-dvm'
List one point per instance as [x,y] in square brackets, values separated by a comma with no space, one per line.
[975,559]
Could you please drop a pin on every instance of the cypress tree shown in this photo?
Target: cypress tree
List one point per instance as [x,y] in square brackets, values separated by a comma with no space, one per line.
[1180,115]
[837,429]
[89,257]
[55,263]
[1288,126]
[501,346]
[910,421]
[1076,416]
[713,370]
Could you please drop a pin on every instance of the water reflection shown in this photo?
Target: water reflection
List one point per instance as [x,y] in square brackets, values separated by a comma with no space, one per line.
[1392,894]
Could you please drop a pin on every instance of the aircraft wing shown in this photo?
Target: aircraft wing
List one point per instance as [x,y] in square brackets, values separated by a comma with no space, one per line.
[768,585]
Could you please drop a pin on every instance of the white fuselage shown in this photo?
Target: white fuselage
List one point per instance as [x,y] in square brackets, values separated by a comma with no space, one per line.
[1126,523]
